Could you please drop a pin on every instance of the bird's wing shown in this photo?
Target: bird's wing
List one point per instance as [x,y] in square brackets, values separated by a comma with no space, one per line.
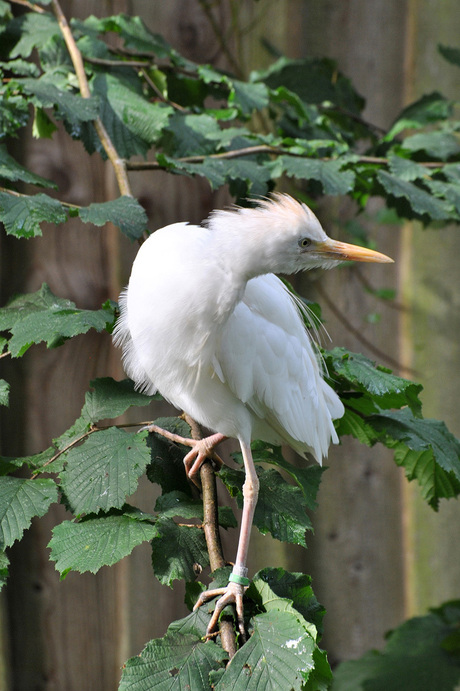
[268,361]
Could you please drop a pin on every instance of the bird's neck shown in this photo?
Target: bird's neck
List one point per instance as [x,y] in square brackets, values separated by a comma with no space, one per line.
[240,256]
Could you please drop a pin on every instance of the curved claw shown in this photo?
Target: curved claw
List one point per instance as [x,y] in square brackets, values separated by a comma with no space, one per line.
[232,594]
[202,450]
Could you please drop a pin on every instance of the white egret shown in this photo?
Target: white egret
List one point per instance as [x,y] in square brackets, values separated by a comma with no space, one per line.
[205,322]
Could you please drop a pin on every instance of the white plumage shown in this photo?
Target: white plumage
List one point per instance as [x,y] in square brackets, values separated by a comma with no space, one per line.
[206,323]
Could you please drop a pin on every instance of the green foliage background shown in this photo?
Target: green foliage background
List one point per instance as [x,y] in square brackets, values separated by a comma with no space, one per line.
[300,120]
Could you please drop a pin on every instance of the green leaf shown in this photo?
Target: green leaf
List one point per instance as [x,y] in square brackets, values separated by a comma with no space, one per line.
[248,96]
[406,169]
[132,122]
[4,563]
[361,374]
[20,501]
[218,172]
[355,425]
[5,10]
[70,107]
[179,661]
[430,108]
[13,171]
[179,504]
[307,478]
[333,179]
[278,655]
[438,471]
[22,215]
[276,589]
[281,507]
[42,316]
[110,398]
[450,191]
[34,31]
[435,483]
[14,112]
[133,31]
[414,658]
[314,80]
[452,172]
[452,55]
[107,400]
[178,551]
[10,465]
[421,201]
[166,466]
[439,145]
[4,392]
[43,127]
[279,589]
[124,212]
[104,470]
[97,541]
[188,135]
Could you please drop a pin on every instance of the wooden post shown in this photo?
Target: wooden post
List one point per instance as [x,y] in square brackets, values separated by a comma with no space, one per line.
[431,285]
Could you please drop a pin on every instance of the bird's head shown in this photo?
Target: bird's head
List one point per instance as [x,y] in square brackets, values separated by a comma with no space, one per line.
[283,235]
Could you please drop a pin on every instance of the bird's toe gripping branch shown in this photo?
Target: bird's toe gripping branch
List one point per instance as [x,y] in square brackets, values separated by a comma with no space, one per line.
[202,450]
[232,594]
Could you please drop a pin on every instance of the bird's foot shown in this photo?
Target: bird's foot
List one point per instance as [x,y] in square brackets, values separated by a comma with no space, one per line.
[202,450]
[232,594]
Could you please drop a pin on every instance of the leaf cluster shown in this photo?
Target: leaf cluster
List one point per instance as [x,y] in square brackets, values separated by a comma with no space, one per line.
[381,407]
[300,119]
[422,653]
[282,651]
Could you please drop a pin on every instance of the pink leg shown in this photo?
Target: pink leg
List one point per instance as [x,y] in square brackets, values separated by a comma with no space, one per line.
[234,591]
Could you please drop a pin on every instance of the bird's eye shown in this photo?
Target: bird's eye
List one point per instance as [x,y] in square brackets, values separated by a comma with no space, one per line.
[304,243]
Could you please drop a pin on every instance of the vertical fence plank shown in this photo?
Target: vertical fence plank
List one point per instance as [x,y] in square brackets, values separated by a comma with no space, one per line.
[431,284]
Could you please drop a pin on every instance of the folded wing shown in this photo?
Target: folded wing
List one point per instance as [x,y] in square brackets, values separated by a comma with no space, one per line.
[267,359]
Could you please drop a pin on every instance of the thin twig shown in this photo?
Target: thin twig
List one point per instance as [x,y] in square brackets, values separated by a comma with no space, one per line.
[394,304]
[29,5]
[118,163]
[238,153]
[154,88]
[69,446]
[207,9]
[15,193]
[211,532]
[117,63]
[100,428]
[265,149]
[357,333]
[354,117]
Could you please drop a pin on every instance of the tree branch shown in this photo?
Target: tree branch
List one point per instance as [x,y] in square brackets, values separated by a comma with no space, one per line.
[266,149]
[118,163]
[29,5]
[176,438]
[211,532]
[207,9]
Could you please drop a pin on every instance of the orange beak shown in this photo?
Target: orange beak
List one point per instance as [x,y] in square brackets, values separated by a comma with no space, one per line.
[342,251]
